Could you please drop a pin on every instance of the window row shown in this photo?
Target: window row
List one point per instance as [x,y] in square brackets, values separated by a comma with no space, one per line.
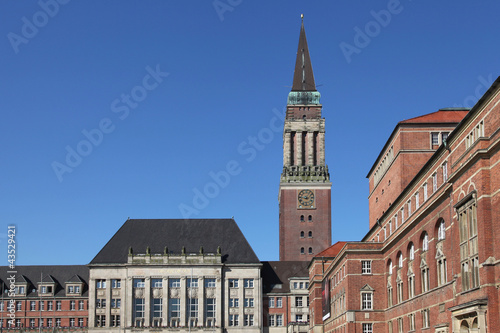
[303,219]
[474,135]
[411,322]
[303,250]
[74,305]
[275,320]
[190,283]
[412,204]
[45,322]
[275,302]
[309,234]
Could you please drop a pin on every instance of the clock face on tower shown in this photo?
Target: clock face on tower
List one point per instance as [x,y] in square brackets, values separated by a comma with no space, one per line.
[306,199]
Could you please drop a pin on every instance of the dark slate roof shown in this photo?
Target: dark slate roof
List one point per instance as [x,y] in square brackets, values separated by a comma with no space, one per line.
[275,274]
[303,77]
[175,234]
[74,279]
[57,274]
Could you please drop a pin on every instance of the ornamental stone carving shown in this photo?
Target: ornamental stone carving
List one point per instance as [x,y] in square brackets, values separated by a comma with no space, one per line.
[174,293]
[157,293]
[210,293]
[139,293]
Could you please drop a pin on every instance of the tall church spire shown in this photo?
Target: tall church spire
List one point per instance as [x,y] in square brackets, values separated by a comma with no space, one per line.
[303,77]
[303,89]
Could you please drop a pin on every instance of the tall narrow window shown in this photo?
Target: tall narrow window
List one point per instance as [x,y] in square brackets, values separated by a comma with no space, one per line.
[412,252]
[434,182]
[425,242]
[425,191]
[441,231]
[445,172]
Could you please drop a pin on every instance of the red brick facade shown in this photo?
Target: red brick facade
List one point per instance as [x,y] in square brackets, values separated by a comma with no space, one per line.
[431,260]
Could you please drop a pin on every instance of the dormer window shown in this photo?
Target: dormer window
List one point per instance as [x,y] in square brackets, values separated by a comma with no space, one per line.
[20,290]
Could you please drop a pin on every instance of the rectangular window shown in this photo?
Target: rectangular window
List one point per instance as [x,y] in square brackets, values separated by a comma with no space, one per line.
[425,191]
[271,321]
[32,322]
[116,283]
[234,302]
[467,219]
[441,266]
[192,307]
[367,328]
[366,301]
[72,322]
[435,139]
[157,283]
[279,302]
[233,283]
[100,284]
[248,320]
[409,207]
[116,303]
[139,283]
[271,302]
[32,305]
[139,308]
[279,320]
[233,320]
[174,308]
[50,306]
[210,307]
[49,322]
[366,267]
[411,319]
[248,302]
[99,303]
[425,279]
[248,283]
[157,307]
[298,301]
[400,325]
[58,305]
[434,182]
[81,305]
[298,318]
[174,283]
[411,286]
[417,200]
[115,321]
[210,283]
[192,283]
[445,172]
[72,305]
[444,136]
[100,321]
[425,319]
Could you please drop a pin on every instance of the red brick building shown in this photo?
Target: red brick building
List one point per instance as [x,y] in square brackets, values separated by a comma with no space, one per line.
[431,259]
[45,298]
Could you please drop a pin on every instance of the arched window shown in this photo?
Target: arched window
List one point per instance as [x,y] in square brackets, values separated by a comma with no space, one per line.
[390,267]
[441,230]
[301,218]
[425,242]
[400,260]
[310,250]
[310,218]
[411,251]
[301,234]
[301,250]
[310,234]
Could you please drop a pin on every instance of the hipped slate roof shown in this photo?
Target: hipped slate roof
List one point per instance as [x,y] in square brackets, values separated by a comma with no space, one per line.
[175,234]
[58,274]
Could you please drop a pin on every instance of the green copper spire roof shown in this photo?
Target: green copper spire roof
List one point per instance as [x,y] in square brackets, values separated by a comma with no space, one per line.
[303,88]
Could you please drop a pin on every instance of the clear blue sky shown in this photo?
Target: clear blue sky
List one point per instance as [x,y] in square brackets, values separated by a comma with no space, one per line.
[71,70]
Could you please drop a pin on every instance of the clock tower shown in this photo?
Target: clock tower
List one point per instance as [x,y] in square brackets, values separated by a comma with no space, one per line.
[305,187]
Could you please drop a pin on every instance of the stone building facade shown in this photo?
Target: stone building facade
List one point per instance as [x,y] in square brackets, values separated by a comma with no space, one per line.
[148,278]
[430,261]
